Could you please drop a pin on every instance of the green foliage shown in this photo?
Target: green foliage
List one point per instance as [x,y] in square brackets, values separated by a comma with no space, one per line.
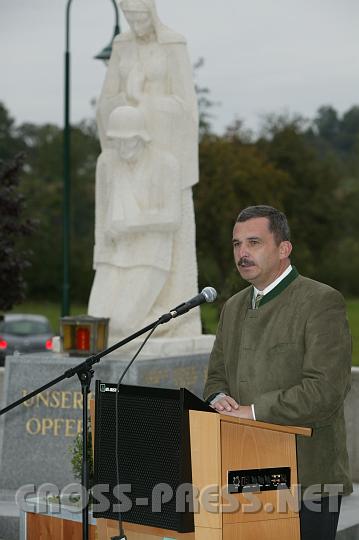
[10,144]
[76,457]
[233,175]
[310,201]
[339,133]
[13,226]
[209,318]
[43,186]
[43,190]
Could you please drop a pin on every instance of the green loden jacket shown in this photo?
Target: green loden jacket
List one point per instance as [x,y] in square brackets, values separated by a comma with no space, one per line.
[291,358]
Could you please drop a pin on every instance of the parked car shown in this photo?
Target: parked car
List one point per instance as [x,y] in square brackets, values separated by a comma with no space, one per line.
[24,333]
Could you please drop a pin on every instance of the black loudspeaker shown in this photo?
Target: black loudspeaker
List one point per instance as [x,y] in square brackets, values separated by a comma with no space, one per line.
[154,455]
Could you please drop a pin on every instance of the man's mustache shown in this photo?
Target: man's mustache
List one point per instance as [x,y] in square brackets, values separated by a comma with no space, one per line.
[244,261]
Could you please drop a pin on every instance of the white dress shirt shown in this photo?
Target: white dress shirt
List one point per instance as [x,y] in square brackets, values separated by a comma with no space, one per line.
[271,286]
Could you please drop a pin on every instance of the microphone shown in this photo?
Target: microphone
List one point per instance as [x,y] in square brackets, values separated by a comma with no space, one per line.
[208,294]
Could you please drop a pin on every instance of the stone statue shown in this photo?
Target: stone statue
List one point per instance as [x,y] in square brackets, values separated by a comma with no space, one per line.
[145,257]
[138,229]
[150,68]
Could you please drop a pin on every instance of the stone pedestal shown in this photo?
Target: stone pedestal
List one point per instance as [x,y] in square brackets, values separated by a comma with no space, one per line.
[36,436]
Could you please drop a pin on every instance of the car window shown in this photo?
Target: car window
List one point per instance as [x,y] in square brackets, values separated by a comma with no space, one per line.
[24,328]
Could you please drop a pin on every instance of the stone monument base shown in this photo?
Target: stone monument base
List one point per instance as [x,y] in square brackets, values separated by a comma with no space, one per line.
[35,438]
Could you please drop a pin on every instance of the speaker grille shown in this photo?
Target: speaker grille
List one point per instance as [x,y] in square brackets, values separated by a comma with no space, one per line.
[154,448]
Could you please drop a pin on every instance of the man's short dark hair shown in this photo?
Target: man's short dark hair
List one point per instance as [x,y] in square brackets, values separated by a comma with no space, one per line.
[278,223]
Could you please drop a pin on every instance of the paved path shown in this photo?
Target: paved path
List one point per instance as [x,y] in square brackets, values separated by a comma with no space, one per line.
[349,514]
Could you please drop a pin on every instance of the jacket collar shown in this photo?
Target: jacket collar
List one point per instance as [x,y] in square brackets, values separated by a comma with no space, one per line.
[279,288]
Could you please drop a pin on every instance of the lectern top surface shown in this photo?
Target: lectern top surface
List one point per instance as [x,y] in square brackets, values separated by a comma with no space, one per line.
[295,430]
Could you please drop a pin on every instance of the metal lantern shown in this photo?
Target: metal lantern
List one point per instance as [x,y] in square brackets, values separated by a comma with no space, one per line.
[83,335]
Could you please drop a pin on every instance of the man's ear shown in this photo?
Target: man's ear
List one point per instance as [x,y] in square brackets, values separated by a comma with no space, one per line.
[285,249]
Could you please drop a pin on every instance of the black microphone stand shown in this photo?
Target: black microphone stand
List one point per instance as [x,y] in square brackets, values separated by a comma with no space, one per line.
[85,373]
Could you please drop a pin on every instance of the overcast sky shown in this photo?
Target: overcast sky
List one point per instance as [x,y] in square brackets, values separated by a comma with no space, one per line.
[261,56]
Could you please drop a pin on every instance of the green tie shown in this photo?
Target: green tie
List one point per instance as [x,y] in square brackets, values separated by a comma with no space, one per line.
[258,300]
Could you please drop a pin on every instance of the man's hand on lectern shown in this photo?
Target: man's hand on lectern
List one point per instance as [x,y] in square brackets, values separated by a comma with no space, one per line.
[223,404]
[243,411]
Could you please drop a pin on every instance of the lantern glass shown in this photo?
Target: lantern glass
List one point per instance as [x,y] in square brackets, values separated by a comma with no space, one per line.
[83,335]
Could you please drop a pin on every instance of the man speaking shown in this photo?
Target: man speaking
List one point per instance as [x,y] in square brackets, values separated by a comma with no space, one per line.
[283,355]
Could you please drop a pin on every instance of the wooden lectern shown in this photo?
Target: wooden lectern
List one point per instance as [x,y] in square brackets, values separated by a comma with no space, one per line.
[244,475]
[255,461]
[249,456]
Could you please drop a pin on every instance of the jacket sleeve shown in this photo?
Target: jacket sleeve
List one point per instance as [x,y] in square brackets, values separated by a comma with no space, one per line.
[326,369]
[216,378]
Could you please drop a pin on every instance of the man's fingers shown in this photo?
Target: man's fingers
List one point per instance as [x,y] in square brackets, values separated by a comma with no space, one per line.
[241,412]
[232,402]
[227,403]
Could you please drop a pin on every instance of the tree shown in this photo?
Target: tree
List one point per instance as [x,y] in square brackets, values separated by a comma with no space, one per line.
[337,136]
[205,103]
[13,226]
[10,144]
[311,203]
[43,184]
[234,174]
[327,124]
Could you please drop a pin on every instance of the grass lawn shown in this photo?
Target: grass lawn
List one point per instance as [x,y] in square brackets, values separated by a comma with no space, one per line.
[208,312]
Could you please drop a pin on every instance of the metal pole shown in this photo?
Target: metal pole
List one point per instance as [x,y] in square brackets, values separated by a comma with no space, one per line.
[67,175]
[85,378]
[117,22]
[65,310]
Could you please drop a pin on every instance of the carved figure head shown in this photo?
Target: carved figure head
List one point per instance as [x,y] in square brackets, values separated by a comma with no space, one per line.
[126,128]
[126,122]
[135,5]
[139,15]
[143,20]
